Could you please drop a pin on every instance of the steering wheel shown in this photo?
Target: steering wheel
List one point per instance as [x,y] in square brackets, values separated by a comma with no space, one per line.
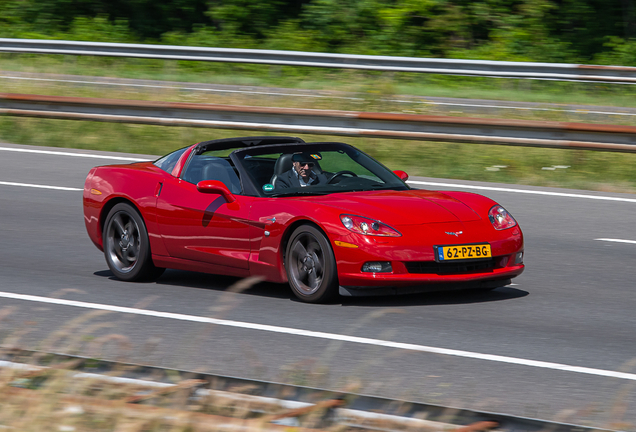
[340,173]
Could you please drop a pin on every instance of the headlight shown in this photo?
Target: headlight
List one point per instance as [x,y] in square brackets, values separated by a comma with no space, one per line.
[366,226]
[500,218]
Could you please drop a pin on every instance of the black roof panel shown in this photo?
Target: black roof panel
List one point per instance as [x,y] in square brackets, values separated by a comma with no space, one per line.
[228,143]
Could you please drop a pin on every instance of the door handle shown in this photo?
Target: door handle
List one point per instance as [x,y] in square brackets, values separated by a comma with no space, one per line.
[158,189]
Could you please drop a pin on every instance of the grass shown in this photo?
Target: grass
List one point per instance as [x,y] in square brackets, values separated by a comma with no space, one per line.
[369,82]
[588,170]
[53,398]
[56,397]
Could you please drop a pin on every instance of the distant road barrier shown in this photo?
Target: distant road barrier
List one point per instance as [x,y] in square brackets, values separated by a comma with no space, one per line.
[483,68]
[324,122]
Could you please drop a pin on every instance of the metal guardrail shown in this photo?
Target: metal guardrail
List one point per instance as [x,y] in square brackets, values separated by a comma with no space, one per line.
[352,410]
[483,68]
[323,122]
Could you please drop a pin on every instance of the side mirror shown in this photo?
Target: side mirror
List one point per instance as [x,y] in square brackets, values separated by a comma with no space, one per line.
[216,187]
[401,174]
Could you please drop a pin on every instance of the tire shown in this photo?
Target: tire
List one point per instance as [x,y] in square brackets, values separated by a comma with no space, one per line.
[126,245]
[311,266]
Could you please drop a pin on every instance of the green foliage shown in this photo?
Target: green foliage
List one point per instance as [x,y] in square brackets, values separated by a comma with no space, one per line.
[619,52]
[146,18]
[525,30]
[99,29]
[289,35]
[343,25]
[252,18]
[586,24]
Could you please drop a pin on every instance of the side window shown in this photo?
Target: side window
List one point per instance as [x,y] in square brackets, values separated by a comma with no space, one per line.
[212,168]
[261,167]
[168,162]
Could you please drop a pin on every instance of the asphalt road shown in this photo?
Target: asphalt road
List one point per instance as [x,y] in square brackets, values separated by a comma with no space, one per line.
[574,306]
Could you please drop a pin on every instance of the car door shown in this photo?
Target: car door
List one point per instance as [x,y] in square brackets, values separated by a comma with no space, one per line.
[205,227]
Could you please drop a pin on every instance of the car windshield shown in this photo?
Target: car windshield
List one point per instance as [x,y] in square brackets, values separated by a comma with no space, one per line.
[314,169]
[168,162]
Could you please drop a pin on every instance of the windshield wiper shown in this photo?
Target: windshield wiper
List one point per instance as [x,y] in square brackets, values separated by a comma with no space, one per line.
[280,194]
[379,188]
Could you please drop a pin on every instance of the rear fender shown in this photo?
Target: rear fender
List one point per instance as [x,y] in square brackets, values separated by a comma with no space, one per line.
[135,184]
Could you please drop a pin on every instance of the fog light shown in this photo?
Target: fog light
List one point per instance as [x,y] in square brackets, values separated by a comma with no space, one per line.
[519,258]
[377,267]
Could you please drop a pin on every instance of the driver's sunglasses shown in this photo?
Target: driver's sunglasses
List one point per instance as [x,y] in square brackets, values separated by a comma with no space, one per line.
[309,164]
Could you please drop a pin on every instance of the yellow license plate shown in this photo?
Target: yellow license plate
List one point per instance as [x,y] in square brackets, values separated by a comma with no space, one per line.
[462,252]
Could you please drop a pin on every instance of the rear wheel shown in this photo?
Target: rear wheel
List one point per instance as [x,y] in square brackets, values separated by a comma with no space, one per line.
[310,265]
[126,245]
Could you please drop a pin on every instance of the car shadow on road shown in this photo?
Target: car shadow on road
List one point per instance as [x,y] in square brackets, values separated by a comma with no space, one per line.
[182,278]
[437,298]
[222,283]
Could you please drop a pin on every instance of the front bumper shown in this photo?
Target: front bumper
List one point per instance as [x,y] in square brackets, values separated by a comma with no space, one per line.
[403,283]
[410,259]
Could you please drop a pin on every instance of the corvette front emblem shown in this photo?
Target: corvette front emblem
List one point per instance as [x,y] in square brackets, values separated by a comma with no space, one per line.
[456,234]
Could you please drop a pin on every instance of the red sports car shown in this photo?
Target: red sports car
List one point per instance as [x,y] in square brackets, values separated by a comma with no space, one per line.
[324,217]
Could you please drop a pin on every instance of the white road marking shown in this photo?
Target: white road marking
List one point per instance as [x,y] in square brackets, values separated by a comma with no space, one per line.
[616,240]
[523,191]
[84,155]
[327,336]
[40,186]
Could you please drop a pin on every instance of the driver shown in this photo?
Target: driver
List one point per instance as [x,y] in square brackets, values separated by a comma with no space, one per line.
[301,174]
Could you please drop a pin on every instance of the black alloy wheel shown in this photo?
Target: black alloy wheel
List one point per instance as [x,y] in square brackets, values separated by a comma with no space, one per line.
[126,245]
[310,265]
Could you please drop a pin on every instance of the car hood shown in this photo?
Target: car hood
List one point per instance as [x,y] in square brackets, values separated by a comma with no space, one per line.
[411,207]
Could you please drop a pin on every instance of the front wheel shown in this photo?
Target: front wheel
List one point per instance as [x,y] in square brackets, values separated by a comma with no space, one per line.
[310,265]
[126,245]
